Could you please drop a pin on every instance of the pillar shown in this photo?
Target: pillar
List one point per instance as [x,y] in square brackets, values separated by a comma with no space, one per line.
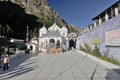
[95,24]
[85,29]
[116,11]
[91,27]
[88,28]
[99,20]
[106,16]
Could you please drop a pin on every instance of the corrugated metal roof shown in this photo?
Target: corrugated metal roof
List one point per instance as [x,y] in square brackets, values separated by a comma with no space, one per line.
[5,43]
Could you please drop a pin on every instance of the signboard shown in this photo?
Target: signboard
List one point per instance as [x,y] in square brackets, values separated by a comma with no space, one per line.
[96,41]
[112,38]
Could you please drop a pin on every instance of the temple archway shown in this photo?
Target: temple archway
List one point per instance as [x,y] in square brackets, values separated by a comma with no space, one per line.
[58,44]
[51,43]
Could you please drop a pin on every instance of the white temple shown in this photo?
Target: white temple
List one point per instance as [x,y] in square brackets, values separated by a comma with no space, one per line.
[52,38]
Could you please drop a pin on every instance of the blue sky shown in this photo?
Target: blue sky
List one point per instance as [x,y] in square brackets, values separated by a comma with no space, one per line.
[80,12]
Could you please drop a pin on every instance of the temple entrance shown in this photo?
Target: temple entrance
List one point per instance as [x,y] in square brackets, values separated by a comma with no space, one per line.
[52,41]
[52,45]
[58,44]
[72,44]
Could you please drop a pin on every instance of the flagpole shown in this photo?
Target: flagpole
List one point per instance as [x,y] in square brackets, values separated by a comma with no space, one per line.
[27,34]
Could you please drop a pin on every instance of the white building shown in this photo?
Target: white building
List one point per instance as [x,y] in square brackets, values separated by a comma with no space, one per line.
[53,38]
[33,45]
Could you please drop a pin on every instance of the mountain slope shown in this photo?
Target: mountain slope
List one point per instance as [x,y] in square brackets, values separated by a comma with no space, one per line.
[32,13]
[42,10]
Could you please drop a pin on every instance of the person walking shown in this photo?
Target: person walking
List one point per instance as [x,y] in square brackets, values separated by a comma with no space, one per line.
[5,63]
[5,60]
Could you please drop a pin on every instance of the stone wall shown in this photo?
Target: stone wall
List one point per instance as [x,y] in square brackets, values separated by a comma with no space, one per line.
[99,33]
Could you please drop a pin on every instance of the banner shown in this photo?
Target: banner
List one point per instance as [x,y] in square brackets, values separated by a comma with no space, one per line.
[112,38]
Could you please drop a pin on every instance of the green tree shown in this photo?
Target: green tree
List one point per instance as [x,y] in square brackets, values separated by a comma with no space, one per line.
[9,31]
[6,31]
[36,32]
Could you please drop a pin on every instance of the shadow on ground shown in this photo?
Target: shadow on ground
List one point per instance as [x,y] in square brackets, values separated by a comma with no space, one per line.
[18,67]
[113,74]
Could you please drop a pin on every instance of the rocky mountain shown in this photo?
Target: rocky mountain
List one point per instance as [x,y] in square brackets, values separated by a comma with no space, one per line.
[32,13]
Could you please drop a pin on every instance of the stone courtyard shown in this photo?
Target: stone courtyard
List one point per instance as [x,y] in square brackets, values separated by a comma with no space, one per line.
[70,65]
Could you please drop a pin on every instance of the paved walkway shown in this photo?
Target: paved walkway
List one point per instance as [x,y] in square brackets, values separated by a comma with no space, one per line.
[71,65]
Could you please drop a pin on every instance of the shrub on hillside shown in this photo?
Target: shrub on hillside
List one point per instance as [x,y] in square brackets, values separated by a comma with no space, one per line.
[82,48]
[86,48]
[96,52]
